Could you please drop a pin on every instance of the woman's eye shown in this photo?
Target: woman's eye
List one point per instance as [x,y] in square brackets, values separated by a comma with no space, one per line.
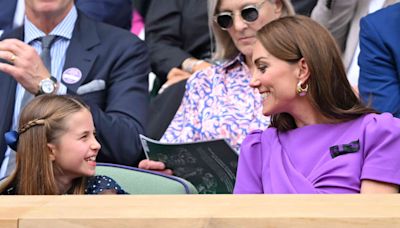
[262,68]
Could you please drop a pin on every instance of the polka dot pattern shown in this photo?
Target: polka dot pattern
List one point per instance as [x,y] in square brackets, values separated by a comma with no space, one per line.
[100,184]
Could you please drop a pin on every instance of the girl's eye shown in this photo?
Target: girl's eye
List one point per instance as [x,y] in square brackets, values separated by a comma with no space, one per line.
[84,136]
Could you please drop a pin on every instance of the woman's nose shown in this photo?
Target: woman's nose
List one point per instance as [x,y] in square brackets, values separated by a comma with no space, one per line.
[255,82]
[239,23]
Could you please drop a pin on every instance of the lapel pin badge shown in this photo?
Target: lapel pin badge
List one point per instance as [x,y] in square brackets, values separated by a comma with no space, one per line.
[71,75]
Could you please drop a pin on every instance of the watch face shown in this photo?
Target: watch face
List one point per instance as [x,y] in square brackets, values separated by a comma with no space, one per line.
[47,86]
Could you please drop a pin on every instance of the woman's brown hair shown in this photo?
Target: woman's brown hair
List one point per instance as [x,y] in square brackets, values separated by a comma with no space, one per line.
[41,122]
[294,37]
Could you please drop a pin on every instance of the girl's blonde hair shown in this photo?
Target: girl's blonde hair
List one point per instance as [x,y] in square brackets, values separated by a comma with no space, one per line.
[41,122]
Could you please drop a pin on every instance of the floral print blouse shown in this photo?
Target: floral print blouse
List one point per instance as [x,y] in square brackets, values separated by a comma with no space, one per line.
[218,103]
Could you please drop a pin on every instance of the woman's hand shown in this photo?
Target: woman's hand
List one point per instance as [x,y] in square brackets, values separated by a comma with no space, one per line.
[154,166]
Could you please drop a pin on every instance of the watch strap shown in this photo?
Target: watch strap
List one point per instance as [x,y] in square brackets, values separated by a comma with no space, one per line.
[52,78]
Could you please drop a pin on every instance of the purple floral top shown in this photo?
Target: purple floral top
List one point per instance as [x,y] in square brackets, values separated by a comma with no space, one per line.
[218,103]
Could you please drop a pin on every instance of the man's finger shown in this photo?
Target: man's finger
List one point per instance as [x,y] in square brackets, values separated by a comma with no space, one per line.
[8,69]
[14,45]
[8,56]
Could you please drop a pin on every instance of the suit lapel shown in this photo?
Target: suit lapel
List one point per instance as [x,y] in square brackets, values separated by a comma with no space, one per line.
[8,87]
[7,14]
[7,102]
[80,53]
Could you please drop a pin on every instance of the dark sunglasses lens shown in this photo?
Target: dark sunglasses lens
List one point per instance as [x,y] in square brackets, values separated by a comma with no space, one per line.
[225,21]
[250,14]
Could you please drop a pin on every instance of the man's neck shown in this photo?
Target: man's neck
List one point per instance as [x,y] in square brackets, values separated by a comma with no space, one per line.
[46,22]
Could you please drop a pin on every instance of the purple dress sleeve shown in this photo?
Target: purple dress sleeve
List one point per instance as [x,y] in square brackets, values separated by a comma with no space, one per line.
[294,162]
[382,149]
[249,172]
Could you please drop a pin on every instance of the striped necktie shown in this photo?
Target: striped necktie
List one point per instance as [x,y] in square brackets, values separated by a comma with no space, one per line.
[47,41]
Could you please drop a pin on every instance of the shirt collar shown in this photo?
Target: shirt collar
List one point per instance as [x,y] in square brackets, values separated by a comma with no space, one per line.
[239,59]
[63,29]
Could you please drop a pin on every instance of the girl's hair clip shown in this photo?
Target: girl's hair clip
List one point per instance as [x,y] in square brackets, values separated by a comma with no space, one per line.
[12,139]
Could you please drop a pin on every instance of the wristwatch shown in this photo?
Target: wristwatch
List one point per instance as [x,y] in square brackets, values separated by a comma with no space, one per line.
[47,86]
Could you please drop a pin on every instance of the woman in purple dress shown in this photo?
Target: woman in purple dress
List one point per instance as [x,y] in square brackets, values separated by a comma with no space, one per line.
[321,138]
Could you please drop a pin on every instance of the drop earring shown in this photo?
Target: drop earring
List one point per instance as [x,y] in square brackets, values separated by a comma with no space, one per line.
[300,90]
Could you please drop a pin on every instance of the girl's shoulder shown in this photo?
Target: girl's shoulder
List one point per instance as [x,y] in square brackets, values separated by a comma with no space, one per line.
[100,184]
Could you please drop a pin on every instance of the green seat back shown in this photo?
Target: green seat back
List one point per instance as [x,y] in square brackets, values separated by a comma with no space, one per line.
[139,181]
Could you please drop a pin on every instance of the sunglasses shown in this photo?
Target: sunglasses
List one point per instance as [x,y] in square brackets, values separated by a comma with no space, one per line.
[248,13]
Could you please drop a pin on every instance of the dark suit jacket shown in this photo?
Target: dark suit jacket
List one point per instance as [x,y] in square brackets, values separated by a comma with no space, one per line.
[175,31]
[379,59]
[119,111]
[113,12]
[7,14]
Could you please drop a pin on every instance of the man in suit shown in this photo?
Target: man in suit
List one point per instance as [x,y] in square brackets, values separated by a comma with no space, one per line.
[342,19]
[178,37]
[106,66]
[177,33]
[379,60]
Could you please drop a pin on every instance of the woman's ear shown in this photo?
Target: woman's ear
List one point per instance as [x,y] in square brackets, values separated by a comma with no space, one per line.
[52,149]
[278,7]
[304,71]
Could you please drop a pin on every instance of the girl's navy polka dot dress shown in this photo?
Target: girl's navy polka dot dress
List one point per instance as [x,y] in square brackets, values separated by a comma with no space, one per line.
[102,184]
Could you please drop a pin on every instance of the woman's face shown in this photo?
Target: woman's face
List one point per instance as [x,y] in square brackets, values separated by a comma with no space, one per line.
[276,81]
[243,33]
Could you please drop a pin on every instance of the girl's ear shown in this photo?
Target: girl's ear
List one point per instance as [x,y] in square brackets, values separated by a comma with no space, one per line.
[304,71]
[52,149]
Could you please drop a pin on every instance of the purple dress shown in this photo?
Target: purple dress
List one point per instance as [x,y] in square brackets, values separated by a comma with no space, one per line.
[321,158]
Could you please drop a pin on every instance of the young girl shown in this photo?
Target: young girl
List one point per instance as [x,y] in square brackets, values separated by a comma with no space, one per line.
[56,151]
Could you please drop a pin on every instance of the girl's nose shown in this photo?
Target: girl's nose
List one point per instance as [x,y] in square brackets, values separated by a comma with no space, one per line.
[95,145]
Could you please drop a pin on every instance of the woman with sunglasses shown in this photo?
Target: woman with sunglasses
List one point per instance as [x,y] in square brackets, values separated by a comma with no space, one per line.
[322,139]
[218,102]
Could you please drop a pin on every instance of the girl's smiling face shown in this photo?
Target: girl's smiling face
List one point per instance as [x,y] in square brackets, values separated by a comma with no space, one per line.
[74,152]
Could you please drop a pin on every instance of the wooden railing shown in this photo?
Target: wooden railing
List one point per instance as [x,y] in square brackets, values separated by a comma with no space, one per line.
[159,211]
